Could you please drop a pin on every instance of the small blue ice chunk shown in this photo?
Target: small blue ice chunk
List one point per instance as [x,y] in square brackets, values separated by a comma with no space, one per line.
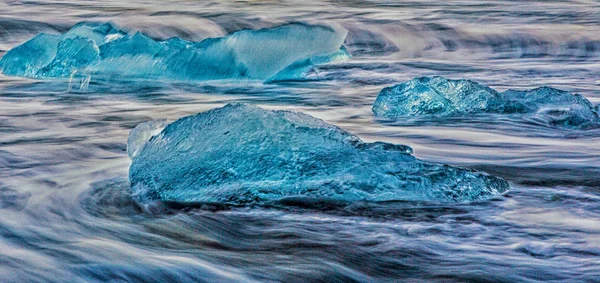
[241,154]
[279,53]
[438,96]
[561,107]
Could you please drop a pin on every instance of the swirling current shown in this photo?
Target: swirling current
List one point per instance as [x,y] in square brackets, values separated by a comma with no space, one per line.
[66,210]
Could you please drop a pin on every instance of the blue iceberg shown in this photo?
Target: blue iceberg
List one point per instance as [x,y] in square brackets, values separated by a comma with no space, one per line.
[241,154]
[286,52]
[440,97]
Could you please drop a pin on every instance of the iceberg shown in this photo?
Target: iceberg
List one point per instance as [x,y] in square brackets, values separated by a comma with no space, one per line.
[438,96]
[241,154]
[285,52]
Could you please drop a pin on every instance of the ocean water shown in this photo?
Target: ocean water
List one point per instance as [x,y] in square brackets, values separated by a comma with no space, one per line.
[65,210]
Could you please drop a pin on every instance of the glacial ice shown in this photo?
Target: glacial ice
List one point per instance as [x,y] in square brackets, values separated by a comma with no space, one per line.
[561,107]
[438,96]
[285,52]
[241,154]
[142,134]
[29,58]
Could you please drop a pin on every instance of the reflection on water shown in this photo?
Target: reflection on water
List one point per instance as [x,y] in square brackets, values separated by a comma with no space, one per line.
[64,199]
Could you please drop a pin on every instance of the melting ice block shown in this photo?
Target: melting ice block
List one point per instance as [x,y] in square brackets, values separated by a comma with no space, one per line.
[562,108]
[241,154]
[280,53]
[28,59]
[438,96]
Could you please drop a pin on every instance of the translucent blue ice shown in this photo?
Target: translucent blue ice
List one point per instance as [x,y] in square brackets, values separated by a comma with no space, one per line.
[562,108]
[438,96]
[141,134]
[241,154]
[285,52]
[28,59]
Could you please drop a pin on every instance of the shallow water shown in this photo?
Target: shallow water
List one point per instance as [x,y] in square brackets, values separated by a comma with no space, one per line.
[65,210]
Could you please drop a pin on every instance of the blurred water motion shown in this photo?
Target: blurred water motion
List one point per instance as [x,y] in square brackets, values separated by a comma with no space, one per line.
[64,199]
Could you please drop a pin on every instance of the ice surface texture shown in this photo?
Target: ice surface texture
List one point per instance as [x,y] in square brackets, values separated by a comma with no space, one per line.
[241,154]
[285,52]
[438,96]
[560,107]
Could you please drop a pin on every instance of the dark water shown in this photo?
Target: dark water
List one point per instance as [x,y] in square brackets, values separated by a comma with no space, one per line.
[65,212]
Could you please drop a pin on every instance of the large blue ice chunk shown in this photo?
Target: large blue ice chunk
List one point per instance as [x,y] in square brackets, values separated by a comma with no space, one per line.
[241,154]
[438,96]
[280,53]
